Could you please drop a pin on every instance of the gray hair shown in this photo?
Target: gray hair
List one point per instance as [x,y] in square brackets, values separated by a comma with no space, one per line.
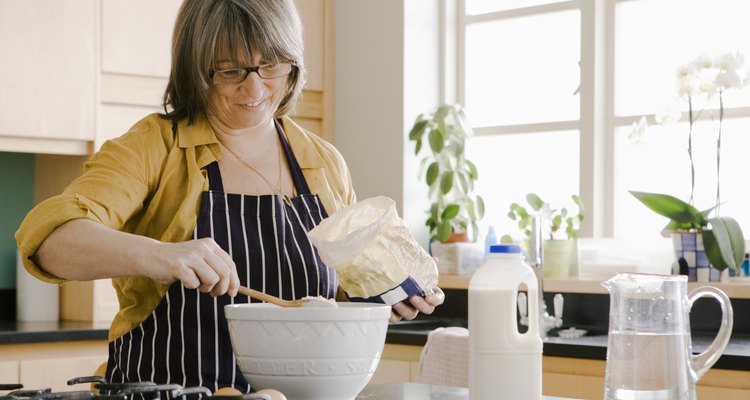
[231,29]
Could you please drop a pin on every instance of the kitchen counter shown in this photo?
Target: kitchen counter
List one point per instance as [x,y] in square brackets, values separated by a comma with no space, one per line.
[16,332]
[418,391]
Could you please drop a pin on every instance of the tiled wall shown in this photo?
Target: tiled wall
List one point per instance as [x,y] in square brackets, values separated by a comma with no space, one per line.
[16,199]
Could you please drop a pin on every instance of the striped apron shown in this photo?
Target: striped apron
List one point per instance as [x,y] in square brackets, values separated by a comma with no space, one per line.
[185,340]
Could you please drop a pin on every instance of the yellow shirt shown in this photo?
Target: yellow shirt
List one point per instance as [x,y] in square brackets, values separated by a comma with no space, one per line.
[148,182]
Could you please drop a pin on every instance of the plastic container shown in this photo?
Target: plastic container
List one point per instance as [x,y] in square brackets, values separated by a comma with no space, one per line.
[503,362]
[489,240]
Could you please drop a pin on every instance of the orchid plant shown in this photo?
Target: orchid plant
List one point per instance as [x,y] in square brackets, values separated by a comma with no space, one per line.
[701,81]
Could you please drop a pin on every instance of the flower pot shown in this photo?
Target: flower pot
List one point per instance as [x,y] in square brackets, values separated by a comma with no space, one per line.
[690,254]
[458,237]
[560,258]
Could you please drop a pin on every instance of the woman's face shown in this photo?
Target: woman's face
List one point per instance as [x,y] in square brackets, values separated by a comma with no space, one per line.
[248,104]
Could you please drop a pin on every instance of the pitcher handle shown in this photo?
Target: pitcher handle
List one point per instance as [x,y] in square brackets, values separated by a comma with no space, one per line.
[700,363]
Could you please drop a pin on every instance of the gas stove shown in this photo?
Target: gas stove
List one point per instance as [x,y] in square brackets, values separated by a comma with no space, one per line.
[119,391]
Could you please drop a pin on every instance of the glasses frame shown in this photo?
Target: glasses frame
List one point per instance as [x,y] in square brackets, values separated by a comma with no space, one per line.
[248,71]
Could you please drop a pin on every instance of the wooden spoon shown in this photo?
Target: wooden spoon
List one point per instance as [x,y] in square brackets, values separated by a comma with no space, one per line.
[305,301]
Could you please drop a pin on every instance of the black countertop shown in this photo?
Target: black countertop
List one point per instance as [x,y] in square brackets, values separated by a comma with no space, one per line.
[594,347]
[15,332]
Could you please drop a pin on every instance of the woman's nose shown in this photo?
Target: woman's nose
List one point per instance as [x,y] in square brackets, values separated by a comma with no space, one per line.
[254,86]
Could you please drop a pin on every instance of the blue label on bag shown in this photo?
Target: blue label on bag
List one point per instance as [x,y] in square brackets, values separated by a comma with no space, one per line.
[406,289]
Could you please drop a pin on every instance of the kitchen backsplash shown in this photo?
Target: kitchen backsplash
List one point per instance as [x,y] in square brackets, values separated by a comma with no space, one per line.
[17,198]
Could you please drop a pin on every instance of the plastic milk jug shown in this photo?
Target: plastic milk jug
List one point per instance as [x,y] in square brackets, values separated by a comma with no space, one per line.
[503,362]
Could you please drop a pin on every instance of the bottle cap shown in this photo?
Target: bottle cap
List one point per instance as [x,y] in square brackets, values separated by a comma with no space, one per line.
[505,248]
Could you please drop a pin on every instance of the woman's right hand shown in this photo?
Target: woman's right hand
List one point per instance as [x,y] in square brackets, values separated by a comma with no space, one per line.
[199,264]
[82,249]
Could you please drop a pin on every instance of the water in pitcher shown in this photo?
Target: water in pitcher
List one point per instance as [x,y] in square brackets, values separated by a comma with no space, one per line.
[640,365]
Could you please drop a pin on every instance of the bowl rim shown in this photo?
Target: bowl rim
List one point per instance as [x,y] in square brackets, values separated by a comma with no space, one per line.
[346,311]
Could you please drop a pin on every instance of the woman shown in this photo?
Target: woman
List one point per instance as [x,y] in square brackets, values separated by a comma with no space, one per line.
[217,192]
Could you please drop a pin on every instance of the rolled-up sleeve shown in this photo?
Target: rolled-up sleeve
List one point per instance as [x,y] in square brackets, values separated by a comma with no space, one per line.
[113,187]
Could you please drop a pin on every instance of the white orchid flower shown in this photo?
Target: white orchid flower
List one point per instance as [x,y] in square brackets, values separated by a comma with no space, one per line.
[703,61]
[706,87]
[669,114]
[729,61]
[685,86]
[728,80]
[637,131]
[686,71]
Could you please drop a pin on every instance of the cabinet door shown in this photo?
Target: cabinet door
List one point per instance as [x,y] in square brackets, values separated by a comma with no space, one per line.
[313,21]
[55,372]
[9,372]
[47,73]
[137,36]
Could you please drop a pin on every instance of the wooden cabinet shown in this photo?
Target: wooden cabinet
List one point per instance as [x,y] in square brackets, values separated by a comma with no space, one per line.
[47,75]
[76,73]
[41,365]
[399,363]
[565,377]
[584,379]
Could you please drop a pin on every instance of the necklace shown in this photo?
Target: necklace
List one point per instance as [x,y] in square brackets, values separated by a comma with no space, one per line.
[277,188]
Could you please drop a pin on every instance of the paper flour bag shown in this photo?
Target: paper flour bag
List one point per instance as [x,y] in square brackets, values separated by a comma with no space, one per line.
[374,254]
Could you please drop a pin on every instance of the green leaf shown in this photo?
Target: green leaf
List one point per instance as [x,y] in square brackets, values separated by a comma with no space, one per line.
[506,239]
[418,146]
[446,182]
[432,172]
[534,201]
[512,215]
[418,129]
[713,250]
[437,140]
[441,112]
[474,227]
[444,231]
[458,149]
[672,208]
[431,223]
[450,212]
[463,122]
[729,240]
[434,211]
[471,208]
[472,170]
[556,222]
[465,186]
[480,207]
[579,203]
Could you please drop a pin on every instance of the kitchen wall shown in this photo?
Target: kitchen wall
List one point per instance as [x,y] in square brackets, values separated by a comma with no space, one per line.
[16,199]
[387,62]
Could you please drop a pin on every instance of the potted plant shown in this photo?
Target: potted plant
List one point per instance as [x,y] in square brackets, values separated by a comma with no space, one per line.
[454,211]
[720,237]
[560,245]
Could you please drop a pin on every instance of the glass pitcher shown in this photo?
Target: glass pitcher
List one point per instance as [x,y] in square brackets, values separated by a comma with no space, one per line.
[649,352]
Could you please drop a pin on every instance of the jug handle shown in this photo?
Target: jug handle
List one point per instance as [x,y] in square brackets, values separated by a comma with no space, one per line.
[700,363]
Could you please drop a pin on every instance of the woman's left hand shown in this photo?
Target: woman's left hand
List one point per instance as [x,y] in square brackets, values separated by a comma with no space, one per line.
[417,304]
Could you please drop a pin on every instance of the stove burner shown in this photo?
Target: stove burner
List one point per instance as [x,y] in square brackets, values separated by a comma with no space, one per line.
[121,391]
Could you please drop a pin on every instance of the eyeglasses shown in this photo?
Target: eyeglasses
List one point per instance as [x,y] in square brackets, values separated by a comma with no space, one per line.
[237,75]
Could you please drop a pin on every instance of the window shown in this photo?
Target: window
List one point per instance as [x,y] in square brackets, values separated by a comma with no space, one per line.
[552,88]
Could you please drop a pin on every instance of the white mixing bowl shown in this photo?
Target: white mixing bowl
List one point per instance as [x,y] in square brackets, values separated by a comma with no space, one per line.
[308,352]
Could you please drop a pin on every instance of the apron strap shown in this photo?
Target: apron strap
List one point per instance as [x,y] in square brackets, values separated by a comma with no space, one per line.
[299,179]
